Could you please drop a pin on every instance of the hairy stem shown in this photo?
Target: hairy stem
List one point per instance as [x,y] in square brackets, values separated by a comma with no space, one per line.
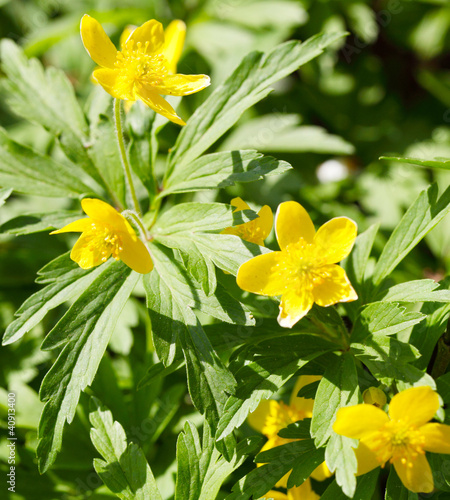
[123,154]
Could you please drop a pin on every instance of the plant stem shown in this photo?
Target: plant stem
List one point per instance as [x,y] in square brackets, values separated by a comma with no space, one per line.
[123,154]
[129,214]
[443,354]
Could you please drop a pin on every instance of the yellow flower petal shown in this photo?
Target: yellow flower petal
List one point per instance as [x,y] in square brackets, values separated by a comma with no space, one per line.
[295,304]
[321,472]
[437,437]
[258,275]
[174,35]
[86,255]
[367,459]
[274,495]
[100,211]
[182,84]
[150,35]
[416,405]
[335,287]
[292,222]
[114,83]
[418,478]
[256,230]
[135,254]
[240,204]
[265,221]
[303,492]
[159,104]
[257,418]
[335,239]
[79,225]
[359,421]
[126,34]
[303,404]
[97,42]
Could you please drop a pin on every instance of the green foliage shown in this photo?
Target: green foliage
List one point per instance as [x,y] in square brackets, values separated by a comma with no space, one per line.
[169,382]
[124,469]
[83,333]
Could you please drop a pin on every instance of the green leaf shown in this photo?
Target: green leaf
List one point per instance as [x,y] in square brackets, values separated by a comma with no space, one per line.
[30,222]
[201,469]
[365,488]
[443,387]
[171,275]
[341,459]
[426,334]
[363,22]
[46,97]
[387,358]
[104,152]
[180,223]
[297,430]
[65,281]
[438,162]
[279,133]
[29,172]
[440,466]
[193,217]
[84,333]
[227,252]
[124,470]
[248,84]
[421,217]
[158,370]
[309,391]
[356,263]
[415,291]
[261,378]
[277,462]
[304,466]
[337,388]
[218,170]
[384,319]
[5,193]
[199,267]
[175,326]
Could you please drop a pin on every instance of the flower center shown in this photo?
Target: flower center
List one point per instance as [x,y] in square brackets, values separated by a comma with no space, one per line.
[137,66]
[250,232]
[102,239]
[398,440]
[300,267]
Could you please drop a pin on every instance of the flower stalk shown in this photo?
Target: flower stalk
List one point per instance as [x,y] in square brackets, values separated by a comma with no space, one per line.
[123,154]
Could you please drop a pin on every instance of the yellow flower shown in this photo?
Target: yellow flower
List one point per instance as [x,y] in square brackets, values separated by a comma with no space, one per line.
[402,438]
[255,231]
[302,492]
[104,233]
[374,396]
[144,68]
[305,269]
[270,417]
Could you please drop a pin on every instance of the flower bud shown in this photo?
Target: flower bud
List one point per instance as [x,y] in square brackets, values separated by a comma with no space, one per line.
[374,396]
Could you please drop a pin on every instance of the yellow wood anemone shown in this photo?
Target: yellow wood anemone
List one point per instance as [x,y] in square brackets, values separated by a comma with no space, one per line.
[269,418]
[106,232]
[304,271]
[254,231]
[145,66]
[401,437]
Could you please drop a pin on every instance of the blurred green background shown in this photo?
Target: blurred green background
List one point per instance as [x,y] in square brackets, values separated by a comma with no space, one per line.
[385,90]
